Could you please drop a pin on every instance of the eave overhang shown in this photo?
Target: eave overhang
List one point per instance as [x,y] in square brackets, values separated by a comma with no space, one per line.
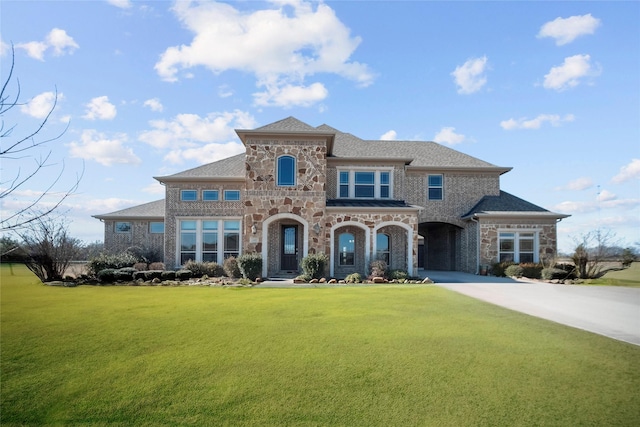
[165,179]
[518,215]
[478,169]
[329,137]
[368,160]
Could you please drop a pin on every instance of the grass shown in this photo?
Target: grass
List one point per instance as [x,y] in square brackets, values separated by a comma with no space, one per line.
[347,356]
[629,277]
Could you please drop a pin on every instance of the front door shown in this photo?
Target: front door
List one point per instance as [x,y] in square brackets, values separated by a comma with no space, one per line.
[289,256]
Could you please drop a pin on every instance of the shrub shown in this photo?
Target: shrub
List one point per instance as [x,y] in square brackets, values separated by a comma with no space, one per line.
[498,269]
[153,274]
[113,261]
[353,278]
[514,271]
[304,277]
[531,270]
[184,274]
[250,265]
[553,274]
[168,275]
[139,275]
[106,275]
[145,254]
[124,274]
[230,267]
[569,269]
[141,266]
[314,265]
[199,269]
[398,275]
[378,268]
[245,282]
[156,266]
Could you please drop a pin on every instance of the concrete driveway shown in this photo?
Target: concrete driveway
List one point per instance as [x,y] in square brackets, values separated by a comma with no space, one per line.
[605,310]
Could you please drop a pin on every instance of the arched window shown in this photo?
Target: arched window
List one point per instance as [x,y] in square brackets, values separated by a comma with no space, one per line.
[286,171]
[347,249]
[383,248]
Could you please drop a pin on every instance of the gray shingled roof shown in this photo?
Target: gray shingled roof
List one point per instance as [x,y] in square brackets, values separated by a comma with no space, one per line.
[290,124]
[506,203]
[147,210]
[356,203]
[231,167]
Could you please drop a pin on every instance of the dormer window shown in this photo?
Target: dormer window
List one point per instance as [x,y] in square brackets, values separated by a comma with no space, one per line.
[286,170]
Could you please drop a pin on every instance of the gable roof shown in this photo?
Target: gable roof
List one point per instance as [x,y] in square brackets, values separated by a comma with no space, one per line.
[229,168]
[507,204]
[151,210]
[290,124]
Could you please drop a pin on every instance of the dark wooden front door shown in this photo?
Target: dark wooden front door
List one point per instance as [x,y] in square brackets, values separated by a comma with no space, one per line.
[289,256]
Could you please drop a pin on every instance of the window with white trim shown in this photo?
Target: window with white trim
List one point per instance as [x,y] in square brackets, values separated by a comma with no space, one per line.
[232,195]
[364,183]
[435,187]
[347,245]
[122,227]
[156,227]
[517,246]
[208,239]
[188,195]
[210,195]
[286,171]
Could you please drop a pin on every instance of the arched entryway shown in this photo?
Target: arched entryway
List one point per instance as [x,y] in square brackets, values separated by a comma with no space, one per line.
[440,247]
[285,240]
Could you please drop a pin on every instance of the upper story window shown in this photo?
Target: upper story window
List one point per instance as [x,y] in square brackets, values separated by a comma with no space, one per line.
[210,195]
[435,189]
[123,227]
[188,195]
[156,227]
[364,184]
[286,171]
[232,195]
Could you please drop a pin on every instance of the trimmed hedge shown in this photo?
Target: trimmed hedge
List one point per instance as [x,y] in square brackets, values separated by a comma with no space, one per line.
[314,265]
[250,265]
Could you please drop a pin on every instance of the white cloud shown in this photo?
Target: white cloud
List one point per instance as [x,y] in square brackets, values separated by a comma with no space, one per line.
[100,108]
[574,207]
[579,184]
[154,104]
[281,46]
[628,172]
[288,95]
[570,72]
[40,105]
[605,196]
[34,49]
[96,146]
[224,91]
[205,154]
[111,204]
[189,130]
[448,136]
[566,30]
[470,77]
[536,123]
[154,188]
[122,4]
[58,40]
[4,47]
[389,136]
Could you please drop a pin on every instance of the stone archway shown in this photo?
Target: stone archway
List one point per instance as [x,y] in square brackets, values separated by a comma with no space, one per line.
[272,240]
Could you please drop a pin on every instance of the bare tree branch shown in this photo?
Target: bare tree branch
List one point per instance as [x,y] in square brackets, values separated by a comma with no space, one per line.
[22,147]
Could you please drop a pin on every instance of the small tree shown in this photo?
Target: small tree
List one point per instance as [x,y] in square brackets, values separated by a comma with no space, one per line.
[48,247]
[314,265]
[593,250]
[628,257]
[250,265]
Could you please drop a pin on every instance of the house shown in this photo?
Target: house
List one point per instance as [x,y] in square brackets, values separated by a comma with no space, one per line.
[300,189]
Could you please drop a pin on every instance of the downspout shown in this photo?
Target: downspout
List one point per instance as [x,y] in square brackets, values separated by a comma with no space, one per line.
[477,243]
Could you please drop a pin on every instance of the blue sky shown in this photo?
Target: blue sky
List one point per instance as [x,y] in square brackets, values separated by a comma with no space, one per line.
[551,89]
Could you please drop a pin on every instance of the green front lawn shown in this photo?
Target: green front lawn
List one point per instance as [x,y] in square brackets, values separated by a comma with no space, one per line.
[629,277]
[348,356]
